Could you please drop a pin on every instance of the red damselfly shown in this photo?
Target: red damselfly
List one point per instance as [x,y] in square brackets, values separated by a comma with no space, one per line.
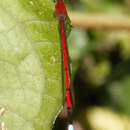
[61,14]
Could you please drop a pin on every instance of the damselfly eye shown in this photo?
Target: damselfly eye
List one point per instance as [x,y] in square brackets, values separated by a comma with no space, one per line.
[61,10]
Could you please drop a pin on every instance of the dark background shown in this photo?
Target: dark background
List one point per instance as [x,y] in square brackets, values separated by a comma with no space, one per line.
[101,70]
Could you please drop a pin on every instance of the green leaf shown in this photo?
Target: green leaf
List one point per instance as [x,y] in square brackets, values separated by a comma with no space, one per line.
[30,67]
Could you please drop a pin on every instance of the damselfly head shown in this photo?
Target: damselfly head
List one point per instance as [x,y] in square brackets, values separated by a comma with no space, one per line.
[61,12]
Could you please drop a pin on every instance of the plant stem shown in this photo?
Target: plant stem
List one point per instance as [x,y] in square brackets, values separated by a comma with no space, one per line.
[99,21]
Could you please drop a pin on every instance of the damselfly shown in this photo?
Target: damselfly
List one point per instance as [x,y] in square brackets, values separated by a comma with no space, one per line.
[61,14]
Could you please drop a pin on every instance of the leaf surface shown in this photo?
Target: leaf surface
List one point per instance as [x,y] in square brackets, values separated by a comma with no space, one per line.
[30,68]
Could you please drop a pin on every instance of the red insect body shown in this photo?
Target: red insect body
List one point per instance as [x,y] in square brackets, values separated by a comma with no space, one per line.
[61,10]
[68,97]
[61,15]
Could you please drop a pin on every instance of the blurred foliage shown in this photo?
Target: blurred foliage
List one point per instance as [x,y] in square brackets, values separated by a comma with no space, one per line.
[101,69]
